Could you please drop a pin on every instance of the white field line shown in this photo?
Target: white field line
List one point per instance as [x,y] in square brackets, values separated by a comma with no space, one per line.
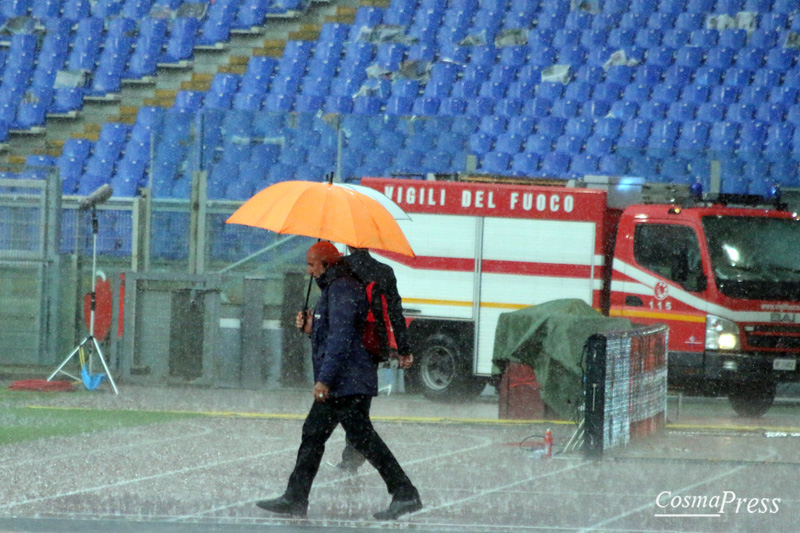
[129,481]
[486,442]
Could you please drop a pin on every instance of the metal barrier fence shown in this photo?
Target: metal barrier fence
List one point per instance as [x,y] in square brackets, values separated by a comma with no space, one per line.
[625,387]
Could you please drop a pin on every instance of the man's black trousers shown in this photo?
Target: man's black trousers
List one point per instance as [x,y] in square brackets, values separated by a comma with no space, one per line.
[352,412]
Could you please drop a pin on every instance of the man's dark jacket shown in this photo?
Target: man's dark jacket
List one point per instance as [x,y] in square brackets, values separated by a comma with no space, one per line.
[368,269]
[339,358]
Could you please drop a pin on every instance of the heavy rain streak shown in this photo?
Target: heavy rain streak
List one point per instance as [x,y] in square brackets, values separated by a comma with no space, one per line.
[440,266]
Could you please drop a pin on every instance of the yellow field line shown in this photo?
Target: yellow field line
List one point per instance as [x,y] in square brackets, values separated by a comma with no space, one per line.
[423,420]
[287,416]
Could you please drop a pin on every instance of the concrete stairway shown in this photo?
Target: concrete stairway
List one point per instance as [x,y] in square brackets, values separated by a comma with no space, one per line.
[160,91]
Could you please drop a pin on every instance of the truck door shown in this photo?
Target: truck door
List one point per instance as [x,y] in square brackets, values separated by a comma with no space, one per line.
[665,284]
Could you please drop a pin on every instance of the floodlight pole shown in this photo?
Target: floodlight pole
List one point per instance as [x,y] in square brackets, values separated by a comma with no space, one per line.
[90,339]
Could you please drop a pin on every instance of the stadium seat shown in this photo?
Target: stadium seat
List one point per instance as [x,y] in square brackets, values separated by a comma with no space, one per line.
[706,38]
[681,111]
[525,164]
[181,40]
[555,164]
[722,138]
[710,112]
[496,163]
[740,112]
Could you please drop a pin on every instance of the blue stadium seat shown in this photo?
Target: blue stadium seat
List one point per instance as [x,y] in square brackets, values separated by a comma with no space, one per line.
[722,138]
[620,74]
[690,56]
[181,40]
[66,101]
[732,38]
[750,58]
[665,93]
[653,110]
[599,145]
[781,59]
[525,164]
[676,38]
[771,113]
[389,55]
[663,138]
[452,106]
[648,38]
[633,138]
[689,21]
[479,106]
[636,92]
[662,56]
[425,106]
[481,142]
[624,109]
[620,37]
[614,165]
[493,125]
[753,94]
[678,75]
[681,111]
[555,164]
[539,144]
[751,139]
[778,143]
[675,169]
[509,143]
[585,164]
[740,112]
[720,57]
[521,124]
[706,38]
[496,163]
[509,107]
[765,37]
[607,92]
[537,107]
[643,165]
[76,10]
[724,95]
[710,112]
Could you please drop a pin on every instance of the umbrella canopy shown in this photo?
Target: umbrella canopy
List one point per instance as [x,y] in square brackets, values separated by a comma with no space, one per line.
[325,211]
[395,210]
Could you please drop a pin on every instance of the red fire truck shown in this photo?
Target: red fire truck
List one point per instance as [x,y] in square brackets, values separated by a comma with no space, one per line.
[724,274]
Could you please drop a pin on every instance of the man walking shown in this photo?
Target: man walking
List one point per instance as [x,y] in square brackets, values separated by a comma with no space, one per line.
[345,379]
[368,269]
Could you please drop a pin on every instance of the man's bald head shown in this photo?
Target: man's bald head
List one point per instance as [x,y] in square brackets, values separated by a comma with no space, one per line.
[320,256]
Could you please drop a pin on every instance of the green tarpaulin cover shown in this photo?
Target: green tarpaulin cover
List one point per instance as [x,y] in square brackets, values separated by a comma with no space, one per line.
[549,338]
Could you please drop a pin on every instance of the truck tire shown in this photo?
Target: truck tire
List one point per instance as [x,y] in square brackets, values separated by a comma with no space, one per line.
[442,370]
[752,400]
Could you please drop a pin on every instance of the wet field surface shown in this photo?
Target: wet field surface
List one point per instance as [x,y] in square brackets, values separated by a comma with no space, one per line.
[708,471]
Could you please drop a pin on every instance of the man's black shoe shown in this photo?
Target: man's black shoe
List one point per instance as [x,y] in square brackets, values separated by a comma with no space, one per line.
[284,505]
[398,508]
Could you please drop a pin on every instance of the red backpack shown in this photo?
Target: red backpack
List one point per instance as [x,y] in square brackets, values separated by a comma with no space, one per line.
[378,335]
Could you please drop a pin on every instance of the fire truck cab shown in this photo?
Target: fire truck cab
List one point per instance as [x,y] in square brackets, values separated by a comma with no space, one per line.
[723,273]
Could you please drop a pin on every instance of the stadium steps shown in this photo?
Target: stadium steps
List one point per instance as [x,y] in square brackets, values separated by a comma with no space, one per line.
[161,92]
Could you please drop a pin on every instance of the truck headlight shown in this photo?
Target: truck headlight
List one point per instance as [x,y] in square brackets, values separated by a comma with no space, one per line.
[721,334]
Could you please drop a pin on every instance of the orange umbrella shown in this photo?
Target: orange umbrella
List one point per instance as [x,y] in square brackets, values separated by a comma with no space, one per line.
[324,211]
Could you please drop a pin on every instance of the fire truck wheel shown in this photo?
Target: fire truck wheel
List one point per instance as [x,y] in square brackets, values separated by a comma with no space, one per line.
[444,372]
[752,400]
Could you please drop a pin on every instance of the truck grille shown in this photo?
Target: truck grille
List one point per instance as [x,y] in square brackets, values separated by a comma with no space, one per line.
[785,337]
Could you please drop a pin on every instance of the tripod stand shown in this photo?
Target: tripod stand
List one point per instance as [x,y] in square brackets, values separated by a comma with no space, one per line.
[90,340]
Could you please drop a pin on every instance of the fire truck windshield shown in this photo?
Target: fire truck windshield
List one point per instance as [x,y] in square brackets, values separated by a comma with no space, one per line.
[755,258]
